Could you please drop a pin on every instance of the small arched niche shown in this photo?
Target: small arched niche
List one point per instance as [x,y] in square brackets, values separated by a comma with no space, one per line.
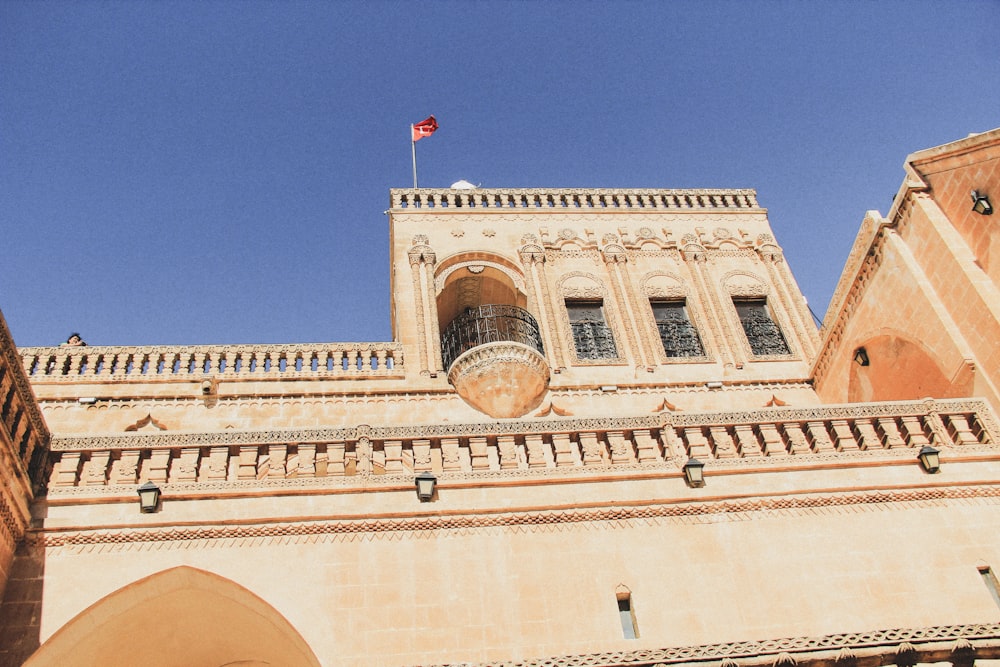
[181,616]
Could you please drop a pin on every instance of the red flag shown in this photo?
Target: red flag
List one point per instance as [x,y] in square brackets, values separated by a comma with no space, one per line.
[424,128]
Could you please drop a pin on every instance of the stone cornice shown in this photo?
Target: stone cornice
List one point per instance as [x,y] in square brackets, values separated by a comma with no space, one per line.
[674,511]
[958,644]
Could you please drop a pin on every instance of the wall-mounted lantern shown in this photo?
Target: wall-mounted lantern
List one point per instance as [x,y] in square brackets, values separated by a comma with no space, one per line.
[425,483]
[981,203]
[861,357]
[694,473]
[930,459]
[149,497]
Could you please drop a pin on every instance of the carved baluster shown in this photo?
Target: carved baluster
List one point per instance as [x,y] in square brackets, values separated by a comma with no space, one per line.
[536,452]
[591,449]
[914,432]
[126,468]
[95,469]
[380,358]
[336,463]
[248,462]
[199,362]
[697,443]
[673,446]
[723,442]
[307,460]
[156,466]
[563,449]
[892,438]
[748,443]
[217,467]
[451,455]
[842,434]
[960,431]
[797,443]
[393,456]
[277,461]
[479,452]
[647,449]
[867,437]
[74,363]
[65,471]
[621,449]
[508,451]
[421,455]
[819,437]
[185,467]
[352,360]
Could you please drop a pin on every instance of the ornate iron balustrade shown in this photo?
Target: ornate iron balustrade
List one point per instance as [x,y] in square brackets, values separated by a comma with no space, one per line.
[489,324]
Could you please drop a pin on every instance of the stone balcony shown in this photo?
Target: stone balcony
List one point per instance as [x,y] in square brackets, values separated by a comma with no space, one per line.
[495,360]
[507,199]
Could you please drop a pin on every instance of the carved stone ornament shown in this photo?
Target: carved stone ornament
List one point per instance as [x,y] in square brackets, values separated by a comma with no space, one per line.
[489,233]
[721,234]
[502,379]
[420,239]
[476,268]
[644,233]
[567,234]
[458,233]
[739,283]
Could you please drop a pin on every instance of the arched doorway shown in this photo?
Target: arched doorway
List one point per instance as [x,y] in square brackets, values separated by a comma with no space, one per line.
[182,616]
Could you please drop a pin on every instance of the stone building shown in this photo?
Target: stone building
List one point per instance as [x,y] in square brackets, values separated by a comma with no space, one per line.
[641,452]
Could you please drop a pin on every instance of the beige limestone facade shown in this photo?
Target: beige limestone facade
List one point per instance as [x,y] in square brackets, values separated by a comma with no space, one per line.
[561,362]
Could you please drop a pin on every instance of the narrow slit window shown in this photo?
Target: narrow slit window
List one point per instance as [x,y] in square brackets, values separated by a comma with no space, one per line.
[762,332]
[990,580]
[678,335]
[627,616]
[592,336]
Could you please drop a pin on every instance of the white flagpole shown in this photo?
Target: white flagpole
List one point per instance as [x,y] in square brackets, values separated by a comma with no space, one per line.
[413,146]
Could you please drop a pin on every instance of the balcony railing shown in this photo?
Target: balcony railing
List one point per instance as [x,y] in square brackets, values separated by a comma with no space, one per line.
[196,362]
[489,324]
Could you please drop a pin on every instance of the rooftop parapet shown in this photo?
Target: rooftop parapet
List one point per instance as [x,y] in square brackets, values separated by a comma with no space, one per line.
[199,362]
[575,199]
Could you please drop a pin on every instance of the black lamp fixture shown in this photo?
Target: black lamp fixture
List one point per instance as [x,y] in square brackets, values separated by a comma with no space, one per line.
[981,203]
[694,473]
[425,483]
[930,459]
[149,497]
[861,357]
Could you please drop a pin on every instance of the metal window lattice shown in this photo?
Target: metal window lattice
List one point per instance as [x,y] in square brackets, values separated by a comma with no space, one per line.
[592,336]
[678,335]
[762,333]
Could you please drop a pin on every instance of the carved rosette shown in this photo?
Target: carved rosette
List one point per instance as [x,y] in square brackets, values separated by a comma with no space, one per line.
[502,379]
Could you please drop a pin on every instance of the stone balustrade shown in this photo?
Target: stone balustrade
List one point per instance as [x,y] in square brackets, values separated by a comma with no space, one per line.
[535,199]
[198,362]
[758,438]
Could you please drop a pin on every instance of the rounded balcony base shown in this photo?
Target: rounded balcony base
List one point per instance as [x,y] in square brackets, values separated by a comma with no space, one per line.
[501,379]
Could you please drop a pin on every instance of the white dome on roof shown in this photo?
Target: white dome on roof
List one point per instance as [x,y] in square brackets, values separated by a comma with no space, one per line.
[462,185]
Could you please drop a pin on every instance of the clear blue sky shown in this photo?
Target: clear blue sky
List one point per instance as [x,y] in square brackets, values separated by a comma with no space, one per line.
[216,172]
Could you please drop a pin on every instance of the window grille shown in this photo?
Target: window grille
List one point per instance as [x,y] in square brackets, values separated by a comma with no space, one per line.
[678,335]
[591,334]
[762,333]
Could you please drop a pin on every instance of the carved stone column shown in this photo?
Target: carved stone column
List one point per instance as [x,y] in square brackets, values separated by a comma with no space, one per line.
[615,259]
[533,259]
[694,261]
[422,260]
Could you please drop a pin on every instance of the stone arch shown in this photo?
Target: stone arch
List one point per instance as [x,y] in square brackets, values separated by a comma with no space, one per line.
[896,367]
[179,616]
[476,279]
[745,284]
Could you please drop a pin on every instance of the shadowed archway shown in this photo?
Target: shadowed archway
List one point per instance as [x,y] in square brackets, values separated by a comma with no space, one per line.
[181,616]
